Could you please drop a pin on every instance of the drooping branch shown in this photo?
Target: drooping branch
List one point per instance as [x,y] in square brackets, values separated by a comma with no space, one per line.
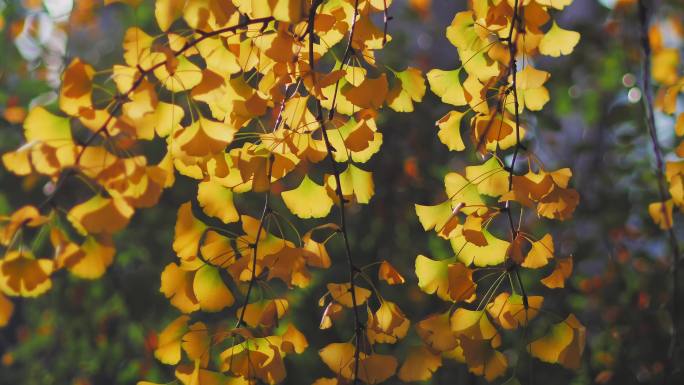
[673,353]
[120,99]
[358,326]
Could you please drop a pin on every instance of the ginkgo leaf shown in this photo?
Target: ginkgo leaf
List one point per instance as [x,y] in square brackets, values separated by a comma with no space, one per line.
[483,359]
[509,309]
[184,75]
[490,177]
[558,41]
[557,4]
[266,312]
[451,282]
[450,130]
[100,215]
[540,253]
[217,201]
[560,273]
[436,333]
[167,11]
[372,369]
[355,182]
[341,293]
[370,93]
[6,310]
[42,126]
[661,213]
[387,325]
[387,273]
[168,350]
[176,284]
[420,364]
[443,218]
[411,88]
[92,259]
[294,341]
[447,85]
[530,88]
[491,254]
[474,324]
[563,344]
[339,358]
[77,88]
[377,368]
[308,200]
[21,274]
[188,232]
[210,290]
[196,343]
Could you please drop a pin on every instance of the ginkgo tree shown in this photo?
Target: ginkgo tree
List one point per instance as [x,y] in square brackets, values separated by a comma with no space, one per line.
[272,109]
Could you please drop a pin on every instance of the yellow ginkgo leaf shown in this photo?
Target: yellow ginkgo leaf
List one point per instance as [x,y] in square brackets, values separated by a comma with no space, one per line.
[42,126]
[490,177]
[308,200]
[370,93]
[450,130]
[217,201]
[197,343]
[176,284]
[508,310]
[443,218]
[530,88]
[420,363]
[180,77]
[92,259]
[661,213]
[560,273]
[387,325]
[266,312]
[447,85]
[294,341]
[410,88]
[341,293]
[558,41]
[540,253]
[436,333]
[188,232]
[21,274]
[557,4]
[493,253]
[100,215]
[483,359]
[451,282]
[355,182]
[387,273]
[211,292]
[474,324]
[563,344]
[339,357]
[167,11]
[433,276]
[377,368]
[77,88]
[168,350]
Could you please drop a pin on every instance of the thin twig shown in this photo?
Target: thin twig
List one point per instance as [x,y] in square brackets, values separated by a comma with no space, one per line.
[358,327]
[673,352]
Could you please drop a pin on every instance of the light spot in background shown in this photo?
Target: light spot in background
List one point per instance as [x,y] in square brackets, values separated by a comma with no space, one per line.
[628,80]
[59,10]
[424,41]
[634,95]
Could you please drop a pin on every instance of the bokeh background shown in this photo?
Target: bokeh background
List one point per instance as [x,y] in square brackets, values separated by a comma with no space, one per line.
[104,332]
